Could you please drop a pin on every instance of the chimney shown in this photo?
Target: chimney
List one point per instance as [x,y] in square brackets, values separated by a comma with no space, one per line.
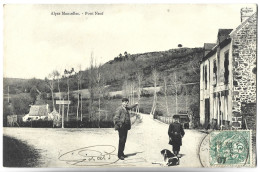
[246,13]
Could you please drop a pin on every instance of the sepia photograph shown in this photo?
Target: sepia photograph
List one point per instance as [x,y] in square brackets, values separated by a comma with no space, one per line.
[129,85]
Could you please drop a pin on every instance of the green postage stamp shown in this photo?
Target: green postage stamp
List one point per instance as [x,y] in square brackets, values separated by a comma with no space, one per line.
[231,148]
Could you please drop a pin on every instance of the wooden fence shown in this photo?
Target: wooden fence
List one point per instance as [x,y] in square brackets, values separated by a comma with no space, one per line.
[164,119]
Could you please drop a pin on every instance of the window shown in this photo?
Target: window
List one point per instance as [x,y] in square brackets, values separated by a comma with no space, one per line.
[206,76]
[226,63]
[215,73]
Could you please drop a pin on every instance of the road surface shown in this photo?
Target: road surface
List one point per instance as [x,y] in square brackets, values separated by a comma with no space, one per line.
[98,147]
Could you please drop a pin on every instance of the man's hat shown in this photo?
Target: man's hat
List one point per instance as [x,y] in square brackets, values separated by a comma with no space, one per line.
[125,99]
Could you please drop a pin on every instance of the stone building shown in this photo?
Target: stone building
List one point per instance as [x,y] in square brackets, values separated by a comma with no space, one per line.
[228,78]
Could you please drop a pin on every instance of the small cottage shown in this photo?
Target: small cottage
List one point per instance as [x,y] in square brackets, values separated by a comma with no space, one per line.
[37,112]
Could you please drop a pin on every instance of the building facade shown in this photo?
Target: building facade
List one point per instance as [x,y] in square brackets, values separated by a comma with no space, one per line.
[228,77]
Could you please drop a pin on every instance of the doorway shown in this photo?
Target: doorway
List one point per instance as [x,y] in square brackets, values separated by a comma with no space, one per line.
[207,113]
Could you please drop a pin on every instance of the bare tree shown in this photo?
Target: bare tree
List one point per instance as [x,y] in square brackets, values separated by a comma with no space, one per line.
[195,66]
[57,76]
[125,89]
[79,78]
[132,93]
[68,74]
[175,83]
[50,83]
[186,98]
[92,82]
[139,78]
[155,76]
[100,88]
[165,94]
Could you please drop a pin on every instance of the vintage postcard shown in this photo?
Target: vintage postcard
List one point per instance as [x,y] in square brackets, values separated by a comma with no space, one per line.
[129,85]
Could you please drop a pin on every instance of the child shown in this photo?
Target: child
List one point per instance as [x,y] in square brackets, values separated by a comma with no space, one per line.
[175,133]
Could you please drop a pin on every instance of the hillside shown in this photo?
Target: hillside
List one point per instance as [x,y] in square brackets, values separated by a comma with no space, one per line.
[182,61]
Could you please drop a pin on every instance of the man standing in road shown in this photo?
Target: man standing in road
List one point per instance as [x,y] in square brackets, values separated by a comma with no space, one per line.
[123,124]
[176,133]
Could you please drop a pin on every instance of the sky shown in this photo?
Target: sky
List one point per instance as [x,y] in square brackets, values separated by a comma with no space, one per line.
[37,42]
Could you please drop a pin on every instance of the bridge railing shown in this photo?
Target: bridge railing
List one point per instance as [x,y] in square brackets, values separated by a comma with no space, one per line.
[165,119]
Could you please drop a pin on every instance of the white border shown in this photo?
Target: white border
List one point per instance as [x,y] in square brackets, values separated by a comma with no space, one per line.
[111,2]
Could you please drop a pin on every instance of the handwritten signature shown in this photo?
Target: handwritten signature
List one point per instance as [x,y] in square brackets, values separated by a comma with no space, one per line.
[96,155]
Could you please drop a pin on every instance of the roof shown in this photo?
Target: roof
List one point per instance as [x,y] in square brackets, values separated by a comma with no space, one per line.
[209,46]
[214,50]
[224,38]
[223,34]
[38,110]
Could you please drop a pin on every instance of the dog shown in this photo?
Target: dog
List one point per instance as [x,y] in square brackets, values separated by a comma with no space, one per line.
[169,158]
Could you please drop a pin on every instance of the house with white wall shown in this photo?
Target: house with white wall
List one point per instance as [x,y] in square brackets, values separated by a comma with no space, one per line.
[228,78]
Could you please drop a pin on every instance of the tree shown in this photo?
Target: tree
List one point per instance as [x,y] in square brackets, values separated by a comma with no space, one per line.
[20,104]
[34,93]
[50,83]
[165,94]
[91,86]
[155,76]
[195,65]
[179,45]
[57,76]
[139,76]
[43,96]
[125,90]
[126,55]
[67,75]
[175,83]
[79,79]
[100,89]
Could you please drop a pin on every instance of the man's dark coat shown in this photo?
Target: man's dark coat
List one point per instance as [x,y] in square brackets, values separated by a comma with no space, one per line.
[175,133]
[122,117]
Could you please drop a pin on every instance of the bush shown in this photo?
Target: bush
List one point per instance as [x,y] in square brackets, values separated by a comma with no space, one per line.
[88,124]
[117,96]
[7,110]
[141,110]
[194,110]
[158,113]
[37,124]
[20,104]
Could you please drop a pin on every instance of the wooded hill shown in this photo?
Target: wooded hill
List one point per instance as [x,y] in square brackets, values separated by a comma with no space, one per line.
[184,62]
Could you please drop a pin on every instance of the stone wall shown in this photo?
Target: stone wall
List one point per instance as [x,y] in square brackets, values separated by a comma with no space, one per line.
[244,61]
[248,111]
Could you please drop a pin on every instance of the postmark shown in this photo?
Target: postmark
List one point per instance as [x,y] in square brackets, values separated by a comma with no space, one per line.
[231,148]
[204,151]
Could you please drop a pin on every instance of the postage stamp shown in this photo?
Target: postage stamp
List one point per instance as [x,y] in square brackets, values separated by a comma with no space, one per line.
[230,148]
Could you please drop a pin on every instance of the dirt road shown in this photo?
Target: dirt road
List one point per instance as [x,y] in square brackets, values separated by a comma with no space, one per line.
[98,147]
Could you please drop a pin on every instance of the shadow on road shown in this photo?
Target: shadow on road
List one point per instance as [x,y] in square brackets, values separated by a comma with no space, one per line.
[181,155]
[133,154]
